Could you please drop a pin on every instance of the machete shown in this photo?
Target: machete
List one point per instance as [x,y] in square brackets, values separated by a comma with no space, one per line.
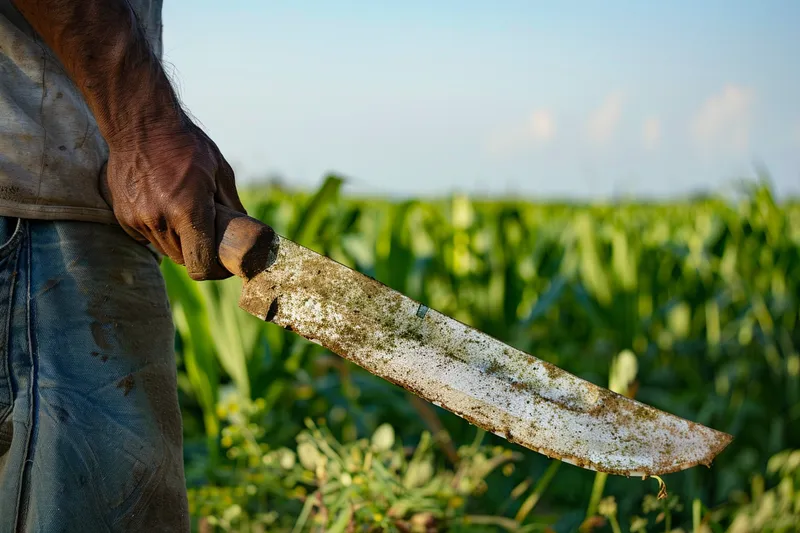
[479,378]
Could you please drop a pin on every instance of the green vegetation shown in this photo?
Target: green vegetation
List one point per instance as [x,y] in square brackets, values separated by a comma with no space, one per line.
[691,307]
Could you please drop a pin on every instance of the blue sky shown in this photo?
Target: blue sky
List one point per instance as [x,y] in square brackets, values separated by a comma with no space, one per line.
[579,99]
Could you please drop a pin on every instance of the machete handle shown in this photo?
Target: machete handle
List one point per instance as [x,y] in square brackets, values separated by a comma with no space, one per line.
[245,246]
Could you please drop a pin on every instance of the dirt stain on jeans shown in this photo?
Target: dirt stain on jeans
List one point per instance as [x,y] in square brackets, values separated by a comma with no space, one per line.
[50,284]
[103,357]
[100,335]
[126,384]
[164,499]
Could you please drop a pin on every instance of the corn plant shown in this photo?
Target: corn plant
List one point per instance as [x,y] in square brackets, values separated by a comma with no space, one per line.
[689,306]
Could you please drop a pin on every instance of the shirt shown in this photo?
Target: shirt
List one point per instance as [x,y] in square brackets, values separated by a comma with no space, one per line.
[51,151]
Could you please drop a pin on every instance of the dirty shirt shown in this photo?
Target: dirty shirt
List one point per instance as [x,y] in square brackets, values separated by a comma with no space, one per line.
[51,151]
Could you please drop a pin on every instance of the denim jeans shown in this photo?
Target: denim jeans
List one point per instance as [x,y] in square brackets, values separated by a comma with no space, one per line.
[90,427]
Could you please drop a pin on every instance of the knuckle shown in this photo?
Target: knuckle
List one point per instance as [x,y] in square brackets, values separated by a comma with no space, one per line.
[213,272]
[197,275]
[189,220]
[142,218]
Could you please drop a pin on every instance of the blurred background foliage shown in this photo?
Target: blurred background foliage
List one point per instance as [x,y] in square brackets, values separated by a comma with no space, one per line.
[689,306]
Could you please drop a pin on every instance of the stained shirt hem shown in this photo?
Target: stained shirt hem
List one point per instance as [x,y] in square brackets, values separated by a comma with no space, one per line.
[57,212]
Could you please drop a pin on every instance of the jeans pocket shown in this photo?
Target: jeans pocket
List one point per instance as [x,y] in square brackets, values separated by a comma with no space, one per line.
[10,236]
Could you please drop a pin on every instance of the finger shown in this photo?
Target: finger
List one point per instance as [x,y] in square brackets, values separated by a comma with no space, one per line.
[159,250]
[227,194]
[168,242]
[198,244]
[135,235]
[157,232]
[105,193]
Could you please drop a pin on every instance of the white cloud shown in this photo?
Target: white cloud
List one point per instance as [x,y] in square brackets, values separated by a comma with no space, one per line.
[539,127]
[603,122]
[724,119]
[651,132]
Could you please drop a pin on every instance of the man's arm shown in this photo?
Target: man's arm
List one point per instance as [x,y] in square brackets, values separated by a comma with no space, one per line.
[164,174]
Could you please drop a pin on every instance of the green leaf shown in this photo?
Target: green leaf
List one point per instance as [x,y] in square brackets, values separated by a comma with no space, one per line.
[341,521]
[307,226]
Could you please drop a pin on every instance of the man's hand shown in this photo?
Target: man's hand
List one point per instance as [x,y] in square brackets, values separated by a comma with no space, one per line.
[163,185]
[164,175]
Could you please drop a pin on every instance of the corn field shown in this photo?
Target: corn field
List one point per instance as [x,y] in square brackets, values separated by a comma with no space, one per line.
[691,307]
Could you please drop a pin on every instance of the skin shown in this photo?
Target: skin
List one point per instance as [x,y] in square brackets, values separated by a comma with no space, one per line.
[164,175]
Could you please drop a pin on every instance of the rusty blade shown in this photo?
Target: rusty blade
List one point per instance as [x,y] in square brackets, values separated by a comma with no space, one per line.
[492,385]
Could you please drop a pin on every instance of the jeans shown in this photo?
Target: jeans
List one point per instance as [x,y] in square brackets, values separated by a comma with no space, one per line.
[90,427]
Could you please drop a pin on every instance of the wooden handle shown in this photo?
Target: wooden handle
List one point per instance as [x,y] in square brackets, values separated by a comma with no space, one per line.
[245,246]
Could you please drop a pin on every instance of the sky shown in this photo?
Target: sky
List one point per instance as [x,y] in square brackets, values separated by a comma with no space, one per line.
[586,100]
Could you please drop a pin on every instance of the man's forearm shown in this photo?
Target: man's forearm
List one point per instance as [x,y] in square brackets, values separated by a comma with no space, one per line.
[104,50]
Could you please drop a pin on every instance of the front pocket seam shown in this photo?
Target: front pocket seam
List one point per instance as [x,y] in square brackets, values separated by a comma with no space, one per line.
[5,368]
[10,245]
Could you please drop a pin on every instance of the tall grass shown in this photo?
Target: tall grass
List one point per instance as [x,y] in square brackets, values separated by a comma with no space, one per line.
[691,307]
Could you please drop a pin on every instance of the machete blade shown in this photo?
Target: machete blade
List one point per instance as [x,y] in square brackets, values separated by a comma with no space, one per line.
[492,385]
